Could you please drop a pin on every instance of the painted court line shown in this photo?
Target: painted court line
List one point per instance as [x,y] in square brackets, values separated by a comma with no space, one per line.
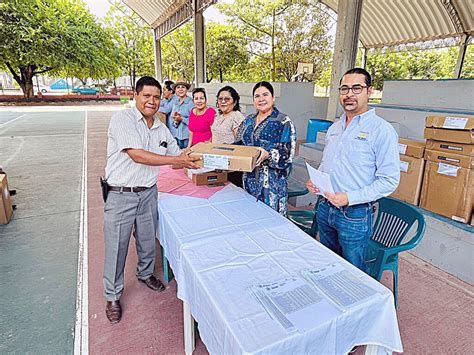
[81,331]
[8,122]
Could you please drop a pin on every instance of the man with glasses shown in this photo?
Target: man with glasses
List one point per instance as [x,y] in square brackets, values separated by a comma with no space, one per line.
[361,158]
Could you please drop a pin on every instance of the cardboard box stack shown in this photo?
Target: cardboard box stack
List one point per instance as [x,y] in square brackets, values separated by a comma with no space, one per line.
[411,170]
[6,208]
[225,156]
[448,187]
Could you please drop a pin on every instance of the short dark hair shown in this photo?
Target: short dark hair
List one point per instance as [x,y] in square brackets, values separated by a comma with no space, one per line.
[365,73]
[148,81]
[168,84]
[195,91]
[265,84]
[235,96]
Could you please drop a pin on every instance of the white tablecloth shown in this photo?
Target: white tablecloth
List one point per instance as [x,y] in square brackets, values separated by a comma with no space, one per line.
[220,247]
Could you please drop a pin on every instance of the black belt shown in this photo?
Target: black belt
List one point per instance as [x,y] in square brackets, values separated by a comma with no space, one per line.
[367,204]
[128,189]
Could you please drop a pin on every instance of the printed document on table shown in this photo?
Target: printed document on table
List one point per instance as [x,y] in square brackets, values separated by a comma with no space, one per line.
[340,285]
[321,180]
[295,304]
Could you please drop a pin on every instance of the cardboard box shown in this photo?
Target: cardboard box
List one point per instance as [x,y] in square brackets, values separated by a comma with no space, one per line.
[452,159]
[448,190]
[226,156]
[206,178]
[451,147]
[6,209]
[411,178]
[411,147]
[472,220]
[450,129]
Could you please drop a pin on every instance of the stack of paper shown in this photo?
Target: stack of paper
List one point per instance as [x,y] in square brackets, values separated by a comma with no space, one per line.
[295,304]
[339,285]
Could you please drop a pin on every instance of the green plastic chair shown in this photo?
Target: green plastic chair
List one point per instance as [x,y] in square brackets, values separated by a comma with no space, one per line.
[394,219]
[305,220]
[295,188]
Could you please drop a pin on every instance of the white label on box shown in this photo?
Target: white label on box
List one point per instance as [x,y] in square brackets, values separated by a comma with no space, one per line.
[216,161]
[404,165]
[455,122]
[402,148]
[447,169]
[459,219]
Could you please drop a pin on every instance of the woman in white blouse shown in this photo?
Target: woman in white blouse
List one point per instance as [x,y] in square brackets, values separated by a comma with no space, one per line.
[229,117]
[226,123]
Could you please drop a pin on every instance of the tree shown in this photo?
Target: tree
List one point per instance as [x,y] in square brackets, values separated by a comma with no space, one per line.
[225,52]
[178,53]
[39,36]
[303,38]
[414,64]
[133,41]
[280,32]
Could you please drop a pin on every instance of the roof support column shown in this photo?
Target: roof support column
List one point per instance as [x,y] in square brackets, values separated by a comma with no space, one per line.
[199,47]
[345,51]
[158,61]
[461,55]
[365,52]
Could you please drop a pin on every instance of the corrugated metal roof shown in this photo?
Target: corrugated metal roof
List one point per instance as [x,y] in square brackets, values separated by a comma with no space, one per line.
[393,22]
[383,23]
[165,15]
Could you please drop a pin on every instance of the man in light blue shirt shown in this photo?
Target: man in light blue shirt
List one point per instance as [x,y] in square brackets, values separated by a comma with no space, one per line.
[361,158]
[166,105]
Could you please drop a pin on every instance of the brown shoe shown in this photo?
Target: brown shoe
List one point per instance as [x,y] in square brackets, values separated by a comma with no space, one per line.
[153,283]
[113,310]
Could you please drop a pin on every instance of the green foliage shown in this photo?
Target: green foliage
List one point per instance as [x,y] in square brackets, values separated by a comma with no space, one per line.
[468,67]
[417,64]
[303,37]
[133,41]
[226,55]
[56,36]
[178,53]
[281,33]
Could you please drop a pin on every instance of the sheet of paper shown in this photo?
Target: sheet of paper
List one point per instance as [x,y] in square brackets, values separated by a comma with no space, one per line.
[455,122]
[216,161]
[321,180]
[340,285]
[447,169]
[296,302]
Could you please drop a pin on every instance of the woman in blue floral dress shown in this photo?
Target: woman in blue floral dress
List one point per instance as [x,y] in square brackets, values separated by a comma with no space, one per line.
[275,134]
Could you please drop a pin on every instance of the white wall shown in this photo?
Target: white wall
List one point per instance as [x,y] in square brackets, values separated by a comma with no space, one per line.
[408,102]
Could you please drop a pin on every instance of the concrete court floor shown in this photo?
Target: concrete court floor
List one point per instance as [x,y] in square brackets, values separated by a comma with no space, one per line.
[42,151]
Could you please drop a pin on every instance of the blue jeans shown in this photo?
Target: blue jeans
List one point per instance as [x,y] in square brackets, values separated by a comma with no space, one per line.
[346,230]
[182,143]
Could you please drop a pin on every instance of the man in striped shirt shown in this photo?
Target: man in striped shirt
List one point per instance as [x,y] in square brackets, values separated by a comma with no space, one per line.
[138,143]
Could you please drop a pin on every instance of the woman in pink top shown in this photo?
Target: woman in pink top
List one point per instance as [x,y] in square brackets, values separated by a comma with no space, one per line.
[200,118]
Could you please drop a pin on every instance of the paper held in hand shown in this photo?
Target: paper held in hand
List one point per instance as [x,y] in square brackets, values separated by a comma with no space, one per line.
[319,179]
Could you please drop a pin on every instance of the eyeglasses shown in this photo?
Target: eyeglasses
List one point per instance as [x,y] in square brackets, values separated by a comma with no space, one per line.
[224,99]
[356,89]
